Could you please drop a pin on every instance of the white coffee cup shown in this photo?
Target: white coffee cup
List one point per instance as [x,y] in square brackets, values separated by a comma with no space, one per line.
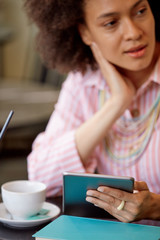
[23,198]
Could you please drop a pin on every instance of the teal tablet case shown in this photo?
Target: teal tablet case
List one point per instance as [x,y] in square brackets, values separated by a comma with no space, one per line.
[75,186]
[78,228]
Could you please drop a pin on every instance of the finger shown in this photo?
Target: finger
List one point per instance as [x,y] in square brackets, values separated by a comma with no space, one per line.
[117,193]
[123,215]
[104,197]
[126,217]
[112,76]
[140,186]
[104,64]
[106,205]
[109,200]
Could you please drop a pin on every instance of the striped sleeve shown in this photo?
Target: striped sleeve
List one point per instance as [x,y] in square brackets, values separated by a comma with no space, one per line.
[54,151]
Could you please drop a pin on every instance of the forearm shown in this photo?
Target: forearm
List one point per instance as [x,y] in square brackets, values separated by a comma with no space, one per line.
[49,159]
[92,132]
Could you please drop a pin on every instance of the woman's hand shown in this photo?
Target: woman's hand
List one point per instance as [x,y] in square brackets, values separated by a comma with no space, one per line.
[121,88]
[94,130]
[138,205]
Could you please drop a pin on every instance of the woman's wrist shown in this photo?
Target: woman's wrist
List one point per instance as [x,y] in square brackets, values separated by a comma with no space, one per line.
[120,103]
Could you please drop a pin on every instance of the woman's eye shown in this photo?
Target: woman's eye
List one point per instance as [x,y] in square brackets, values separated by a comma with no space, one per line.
[110,24]
[141,11]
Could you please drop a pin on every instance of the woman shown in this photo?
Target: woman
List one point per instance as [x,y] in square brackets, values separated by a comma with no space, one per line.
[107,116]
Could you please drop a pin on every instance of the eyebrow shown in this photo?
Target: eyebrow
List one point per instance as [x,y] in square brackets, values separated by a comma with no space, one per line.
[115,13]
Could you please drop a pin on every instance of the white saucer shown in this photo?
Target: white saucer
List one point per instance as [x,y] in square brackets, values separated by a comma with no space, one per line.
[6,219]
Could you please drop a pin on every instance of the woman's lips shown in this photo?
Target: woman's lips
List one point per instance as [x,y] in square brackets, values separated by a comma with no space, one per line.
[136,52]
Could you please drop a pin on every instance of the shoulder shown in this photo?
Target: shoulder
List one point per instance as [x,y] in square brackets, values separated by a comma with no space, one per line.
[78,80]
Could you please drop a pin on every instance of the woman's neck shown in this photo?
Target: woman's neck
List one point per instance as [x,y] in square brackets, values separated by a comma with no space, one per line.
[140,77]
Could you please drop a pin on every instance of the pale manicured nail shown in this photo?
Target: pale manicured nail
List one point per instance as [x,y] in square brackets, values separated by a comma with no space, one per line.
[89,192]
[135,191]
[100,189]
[88,199]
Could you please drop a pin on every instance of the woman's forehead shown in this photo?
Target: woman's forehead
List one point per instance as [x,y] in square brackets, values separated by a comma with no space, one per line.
[109,4]
[96,8]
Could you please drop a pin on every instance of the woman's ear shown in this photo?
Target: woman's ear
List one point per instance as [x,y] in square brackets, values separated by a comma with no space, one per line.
[85,34]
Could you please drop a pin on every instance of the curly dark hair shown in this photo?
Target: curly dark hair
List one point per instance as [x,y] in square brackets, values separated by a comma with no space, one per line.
[58,40]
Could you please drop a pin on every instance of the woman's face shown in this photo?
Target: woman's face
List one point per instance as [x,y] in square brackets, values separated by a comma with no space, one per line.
[124,30]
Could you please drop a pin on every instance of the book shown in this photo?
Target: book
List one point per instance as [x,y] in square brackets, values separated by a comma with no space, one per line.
[68,227]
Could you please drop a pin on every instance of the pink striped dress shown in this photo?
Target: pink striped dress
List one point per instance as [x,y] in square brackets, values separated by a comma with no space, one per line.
[54,151]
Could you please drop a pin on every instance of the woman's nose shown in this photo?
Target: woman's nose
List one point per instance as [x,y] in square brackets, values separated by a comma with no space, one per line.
[131,30]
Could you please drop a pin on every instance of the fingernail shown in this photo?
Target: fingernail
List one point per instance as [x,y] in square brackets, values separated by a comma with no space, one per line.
[100,189]
[89,193]
[135,191]
[88,199]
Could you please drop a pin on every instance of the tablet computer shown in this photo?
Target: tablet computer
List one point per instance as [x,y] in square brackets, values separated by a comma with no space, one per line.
[75,186]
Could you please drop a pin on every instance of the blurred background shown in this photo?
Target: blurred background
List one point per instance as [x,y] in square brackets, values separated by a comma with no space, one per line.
[26,86]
